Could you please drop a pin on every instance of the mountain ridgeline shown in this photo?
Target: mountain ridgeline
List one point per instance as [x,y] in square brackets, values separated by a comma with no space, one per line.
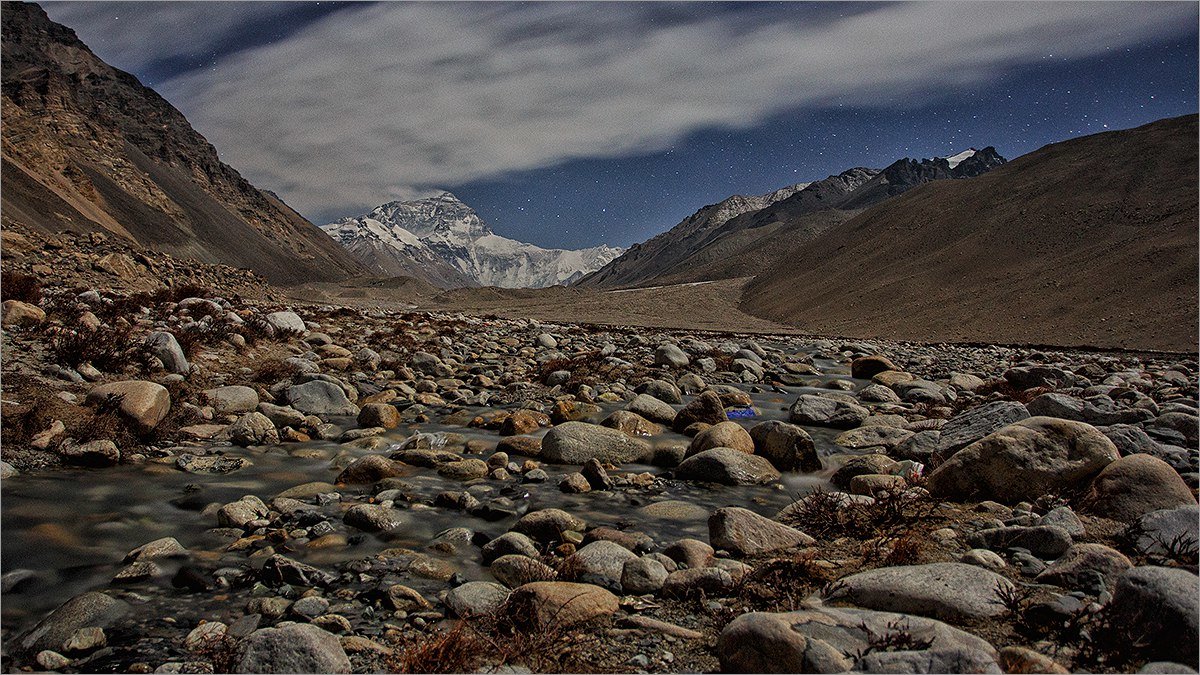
[1090,241]
[740,235]
[87,147]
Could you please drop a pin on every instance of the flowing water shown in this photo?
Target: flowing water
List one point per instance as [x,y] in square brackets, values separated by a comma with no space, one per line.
[66,531]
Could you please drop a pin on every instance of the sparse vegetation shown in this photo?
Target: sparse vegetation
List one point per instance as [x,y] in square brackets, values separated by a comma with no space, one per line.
[19,286]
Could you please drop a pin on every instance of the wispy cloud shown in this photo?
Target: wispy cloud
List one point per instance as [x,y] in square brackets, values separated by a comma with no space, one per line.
[377,101]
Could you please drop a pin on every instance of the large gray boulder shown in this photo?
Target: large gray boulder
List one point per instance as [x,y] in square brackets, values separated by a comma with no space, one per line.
[744,532]
[831,640]
[727,467]
[164,345]
[823,411]
[89,609]
[231,399]
[476,598]
[577,442]
[1133,486]
[319,397]
[948,591]
[293,648]
[1099,410]
[143,403]
[286,321]
[651,408]
[1160,531]
[601,563]
[1161,606]
[787,446]
[1024,461]
[972,425]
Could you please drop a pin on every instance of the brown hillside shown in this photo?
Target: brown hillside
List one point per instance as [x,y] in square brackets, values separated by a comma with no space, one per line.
[1091,241]
[87,147]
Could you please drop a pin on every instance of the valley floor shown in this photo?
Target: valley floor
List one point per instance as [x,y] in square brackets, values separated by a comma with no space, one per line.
[223,477]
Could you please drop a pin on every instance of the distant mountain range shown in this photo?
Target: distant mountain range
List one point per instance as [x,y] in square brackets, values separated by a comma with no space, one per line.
[86,147]
[1091,241]
[443,241]
[739,236]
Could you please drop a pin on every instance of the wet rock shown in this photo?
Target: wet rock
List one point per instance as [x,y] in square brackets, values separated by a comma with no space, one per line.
[1135,485]
[595,475]
[206,636]
[706,407]
[253,429]
[52,660]
[815,410]
[1024,461]
[947,591]
[7,470]
[405,599]
[548,525]
[143,403]
[866,367]
[379,415]
[464,469]
[476,598]
[518,570]
[522,422]
[373,517]
[1078,568]
[574,483]
[727,467]
[972,425]
[643,575]
[318,397]
[280,569]
[165,547]
[787,446]
[1027,377]
[293,648]
[241,513]
[577,442]
[231,400]
[722,435]
[371,469]
[17,313]
[509,543]
[93,453]
[631,423]
[560,604]
[744,532]
[167,349]
[87,639]
[826,640]
[862,465]
[669,393]
[89,609]
[1164,605]
[651,409]
[1044,541]
[600,562]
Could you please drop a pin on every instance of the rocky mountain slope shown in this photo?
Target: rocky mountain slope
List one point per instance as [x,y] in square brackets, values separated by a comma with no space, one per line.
[443,241]
[1089,241]
[86,147]
[740,236]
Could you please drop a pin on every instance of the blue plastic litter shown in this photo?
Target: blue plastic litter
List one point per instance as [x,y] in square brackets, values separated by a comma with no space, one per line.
[734,413]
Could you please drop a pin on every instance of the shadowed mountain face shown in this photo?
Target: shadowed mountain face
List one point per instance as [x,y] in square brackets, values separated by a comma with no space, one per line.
[741,235]
[87,147]
[1092,241]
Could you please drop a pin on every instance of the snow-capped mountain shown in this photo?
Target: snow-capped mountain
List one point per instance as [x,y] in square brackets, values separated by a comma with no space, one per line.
[443,241]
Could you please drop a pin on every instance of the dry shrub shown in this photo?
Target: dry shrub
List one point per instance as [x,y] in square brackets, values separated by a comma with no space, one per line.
[109,348]
[585,368]
[193,338]
[271,371]
[781,584]
[724,361]
[19,286]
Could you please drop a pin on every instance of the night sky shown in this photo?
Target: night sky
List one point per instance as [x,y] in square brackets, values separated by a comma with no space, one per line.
[571,125]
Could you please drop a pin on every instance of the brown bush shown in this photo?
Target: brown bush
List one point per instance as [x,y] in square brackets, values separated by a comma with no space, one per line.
[109,348]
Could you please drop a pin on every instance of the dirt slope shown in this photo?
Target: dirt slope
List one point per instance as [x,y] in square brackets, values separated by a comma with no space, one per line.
[1092,241]
[86,147]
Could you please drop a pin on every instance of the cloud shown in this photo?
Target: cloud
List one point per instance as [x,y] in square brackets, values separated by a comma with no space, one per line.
[383,100]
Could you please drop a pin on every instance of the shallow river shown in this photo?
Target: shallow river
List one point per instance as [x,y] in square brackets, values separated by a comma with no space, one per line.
[66,531]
